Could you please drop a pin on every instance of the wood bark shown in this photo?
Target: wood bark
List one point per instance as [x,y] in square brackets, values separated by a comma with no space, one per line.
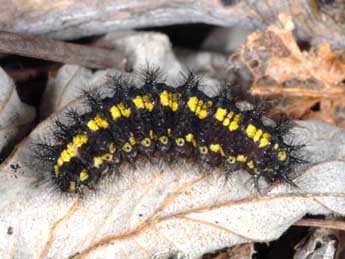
[70,19]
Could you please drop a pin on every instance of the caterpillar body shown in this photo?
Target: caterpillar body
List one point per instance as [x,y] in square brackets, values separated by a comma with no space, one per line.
[160,120]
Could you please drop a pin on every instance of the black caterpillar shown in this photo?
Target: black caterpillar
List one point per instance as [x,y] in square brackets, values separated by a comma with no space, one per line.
[160,120]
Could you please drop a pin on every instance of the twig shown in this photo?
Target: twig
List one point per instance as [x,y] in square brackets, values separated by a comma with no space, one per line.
[323,223]
[59,51]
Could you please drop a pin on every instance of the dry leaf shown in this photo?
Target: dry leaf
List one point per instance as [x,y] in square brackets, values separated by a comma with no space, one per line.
[320,244]
[279,66]
[274,53]
[15,117]
[156,211]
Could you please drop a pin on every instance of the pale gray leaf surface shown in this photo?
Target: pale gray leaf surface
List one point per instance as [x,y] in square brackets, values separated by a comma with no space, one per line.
[158,211]
[15,116]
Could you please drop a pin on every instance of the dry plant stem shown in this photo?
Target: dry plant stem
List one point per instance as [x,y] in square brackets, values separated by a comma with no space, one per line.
[323,223]
[58,51]
[335,92]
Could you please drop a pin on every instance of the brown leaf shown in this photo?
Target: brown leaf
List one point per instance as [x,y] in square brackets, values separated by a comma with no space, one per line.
[279,66]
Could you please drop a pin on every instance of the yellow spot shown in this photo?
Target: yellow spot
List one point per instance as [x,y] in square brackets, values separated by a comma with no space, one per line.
[60,162]
[220,114]
[163,140]
[138,102]
[56,170]
[174,106]
[148,104]
[250,165]
[169,99]
[83,175]
[190,138]
[266,135]
[124,111]
[263,142]
[65,156]
[251,130]
[72,186]
[230,114]
[164,98]
[92,125]
[115,112]
[235,122]
[226,122]
[231,160]
[127,147]
[146,142]
[72,150]
[152,135]
[112,148]
[282,155]
[180,142]
[193,103]
[132,140]
[257,135]
[203,150]
[199,107]
[241,158]
[97,123]
[233,126]
[79,140]
[174,103]
[107,157]
[169,132]
[217,149]
[276,146]
[102,123]
[203,113]
[98,160]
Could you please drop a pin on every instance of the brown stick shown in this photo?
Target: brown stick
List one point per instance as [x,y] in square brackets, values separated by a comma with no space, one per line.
[323,223]
[59,51]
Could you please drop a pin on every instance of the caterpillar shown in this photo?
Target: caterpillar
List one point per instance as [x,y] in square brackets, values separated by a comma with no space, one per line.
[158,120]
